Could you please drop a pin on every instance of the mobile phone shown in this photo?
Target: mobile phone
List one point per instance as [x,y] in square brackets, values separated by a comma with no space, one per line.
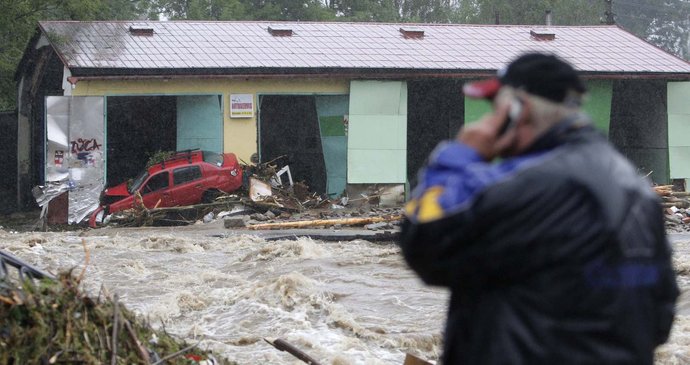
[512,117]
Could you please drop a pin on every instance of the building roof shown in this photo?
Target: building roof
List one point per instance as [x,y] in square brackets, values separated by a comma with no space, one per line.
[191,47]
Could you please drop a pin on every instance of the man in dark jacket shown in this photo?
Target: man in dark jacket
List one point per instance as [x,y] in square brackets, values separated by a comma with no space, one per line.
[556,254]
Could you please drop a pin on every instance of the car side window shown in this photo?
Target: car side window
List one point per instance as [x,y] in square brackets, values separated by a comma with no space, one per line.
[156,182]
[186,174]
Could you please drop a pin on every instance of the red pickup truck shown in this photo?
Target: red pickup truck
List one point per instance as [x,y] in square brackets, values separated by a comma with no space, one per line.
[186,178]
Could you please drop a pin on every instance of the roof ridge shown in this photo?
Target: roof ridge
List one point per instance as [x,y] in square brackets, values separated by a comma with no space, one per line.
[329,22]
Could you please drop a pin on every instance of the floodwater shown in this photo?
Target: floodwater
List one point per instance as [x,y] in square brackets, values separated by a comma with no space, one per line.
[351,302]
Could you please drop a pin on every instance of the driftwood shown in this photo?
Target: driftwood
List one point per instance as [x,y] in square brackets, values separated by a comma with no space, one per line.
[326,222]
[283,345]
[663,190]
[140,349]
[414,360]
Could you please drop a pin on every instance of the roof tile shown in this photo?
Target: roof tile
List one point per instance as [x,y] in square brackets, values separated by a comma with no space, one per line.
[230,45]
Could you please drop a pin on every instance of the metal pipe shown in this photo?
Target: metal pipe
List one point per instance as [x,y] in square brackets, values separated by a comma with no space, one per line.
[548,18]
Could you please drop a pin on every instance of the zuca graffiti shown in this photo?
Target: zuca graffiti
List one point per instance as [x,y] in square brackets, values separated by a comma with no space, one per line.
[85,145]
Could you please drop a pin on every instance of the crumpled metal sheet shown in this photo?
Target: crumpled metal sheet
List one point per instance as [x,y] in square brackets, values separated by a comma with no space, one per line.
[44,194]
[75,137]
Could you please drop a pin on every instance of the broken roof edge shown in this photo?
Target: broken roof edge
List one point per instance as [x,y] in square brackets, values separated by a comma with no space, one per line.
[56,47]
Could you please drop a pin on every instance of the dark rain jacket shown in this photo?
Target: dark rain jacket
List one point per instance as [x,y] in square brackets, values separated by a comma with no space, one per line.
[558,256]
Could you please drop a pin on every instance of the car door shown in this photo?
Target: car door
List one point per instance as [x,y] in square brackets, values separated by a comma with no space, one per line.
[188,185]
[156,193]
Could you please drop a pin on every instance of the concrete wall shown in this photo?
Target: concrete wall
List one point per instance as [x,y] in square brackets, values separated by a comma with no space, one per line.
[8,161]
[239,134]
[639,127]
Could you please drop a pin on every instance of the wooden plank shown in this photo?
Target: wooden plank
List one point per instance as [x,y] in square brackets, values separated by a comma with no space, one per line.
[326,222]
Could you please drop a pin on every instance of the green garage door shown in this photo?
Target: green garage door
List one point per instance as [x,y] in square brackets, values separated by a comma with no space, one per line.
[377,132]
[200,122]
[679,129]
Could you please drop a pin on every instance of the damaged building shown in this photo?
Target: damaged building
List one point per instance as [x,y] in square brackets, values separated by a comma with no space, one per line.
[350,104]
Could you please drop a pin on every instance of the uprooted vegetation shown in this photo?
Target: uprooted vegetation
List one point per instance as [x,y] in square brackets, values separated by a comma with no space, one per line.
[54,321]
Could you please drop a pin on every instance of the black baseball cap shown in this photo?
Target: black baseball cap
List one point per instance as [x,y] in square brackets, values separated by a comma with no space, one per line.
[539,74]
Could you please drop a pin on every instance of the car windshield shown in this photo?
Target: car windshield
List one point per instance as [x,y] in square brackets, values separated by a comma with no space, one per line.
[136,184]
[213,158]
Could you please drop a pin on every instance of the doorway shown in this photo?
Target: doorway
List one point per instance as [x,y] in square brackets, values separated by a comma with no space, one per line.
[289,125]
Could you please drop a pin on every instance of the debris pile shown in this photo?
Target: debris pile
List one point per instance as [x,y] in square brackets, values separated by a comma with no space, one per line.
[53,321]
[676,206]
[270,194]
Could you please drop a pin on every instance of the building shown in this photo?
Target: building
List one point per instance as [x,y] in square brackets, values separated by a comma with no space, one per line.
[351,104]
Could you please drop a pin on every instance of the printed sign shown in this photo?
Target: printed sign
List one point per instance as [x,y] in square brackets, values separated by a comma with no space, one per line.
[59,158]
[241,105]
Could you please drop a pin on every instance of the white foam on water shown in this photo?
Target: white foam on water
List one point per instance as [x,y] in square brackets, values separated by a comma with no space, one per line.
[343,303]
[304,248]
[677,350]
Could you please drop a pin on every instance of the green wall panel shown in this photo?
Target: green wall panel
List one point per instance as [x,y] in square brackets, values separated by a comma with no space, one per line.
[376,166]
[329,105]
[475,109]
[200,123]
[332,126]
[335,152]
[679,170]
[678,94]
[679,130]
[332,111]
[598,103]
[378,98]
[678,97]
[377,132]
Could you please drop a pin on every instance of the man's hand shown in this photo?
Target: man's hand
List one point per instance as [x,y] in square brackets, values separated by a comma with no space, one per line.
[483,135]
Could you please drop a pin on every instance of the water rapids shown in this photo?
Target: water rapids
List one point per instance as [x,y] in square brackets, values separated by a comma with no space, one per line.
[352,302]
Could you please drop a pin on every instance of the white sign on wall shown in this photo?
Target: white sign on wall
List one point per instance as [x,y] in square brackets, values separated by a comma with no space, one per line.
[241,105]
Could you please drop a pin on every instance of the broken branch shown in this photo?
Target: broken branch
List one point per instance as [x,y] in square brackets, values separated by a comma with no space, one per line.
[87,256]
[116,317]
[140,349]
[176,354]
[283,345]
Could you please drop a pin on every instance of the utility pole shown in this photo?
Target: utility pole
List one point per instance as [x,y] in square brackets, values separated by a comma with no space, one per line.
[609,13]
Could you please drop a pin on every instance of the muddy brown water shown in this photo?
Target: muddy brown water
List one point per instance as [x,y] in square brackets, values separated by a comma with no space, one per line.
[351,302]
